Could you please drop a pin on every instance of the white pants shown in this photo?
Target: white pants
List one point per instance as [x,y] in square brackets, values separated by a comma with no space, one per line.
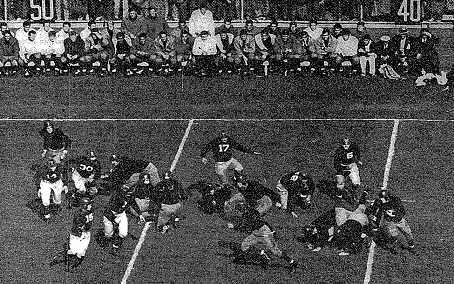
[283,193]
[363,63]
[122,222]
[151,170]
[79,245]
[222,167]
[46,189]
[354,176]
[79,182]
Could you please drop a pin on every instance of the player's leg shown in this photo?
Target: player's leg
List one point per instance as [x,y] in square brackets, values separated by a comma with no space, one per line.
[283,193]
[245,254]
[163,218]
[108,228]
[356,181]
[340,180]
[395,239]
[44,193]
[264,204]
[57,189]
[341,215]
[154,174]
[221,171]
[122,221]
[406,231]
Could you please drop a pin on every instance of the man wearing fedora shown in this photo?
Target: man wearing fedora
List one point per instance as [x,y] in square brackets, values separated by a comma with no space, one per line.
[403,49]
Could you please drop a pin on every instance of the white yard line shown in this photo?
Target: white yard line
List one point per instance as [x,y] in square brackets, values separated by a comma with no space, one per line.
[147,225]
[370,257]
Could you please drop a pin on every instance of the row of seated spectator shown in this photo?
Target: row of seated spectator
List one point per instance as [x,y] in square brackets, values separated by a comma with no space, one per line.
[103,49]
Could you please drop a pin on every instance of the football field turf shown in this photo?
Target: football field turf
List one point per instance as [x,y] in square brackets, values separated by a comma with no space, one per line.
[420,171]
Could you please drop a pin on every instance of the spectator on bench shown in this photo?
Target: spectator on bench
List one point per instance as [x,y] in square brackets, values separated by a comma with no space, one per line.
[367,54]
[347,49]
[9,54]
[426,56]
[121,57]
[31,54]
[52,49]
[183,49]
[244,45]
[324,50]
[74,53]
[165,52]
[143,51]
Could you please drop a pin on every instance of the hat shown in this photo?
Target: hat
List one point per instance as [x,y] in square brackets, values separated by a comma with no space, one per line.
[366,36]
[345,32]
[403,30]
[385,38]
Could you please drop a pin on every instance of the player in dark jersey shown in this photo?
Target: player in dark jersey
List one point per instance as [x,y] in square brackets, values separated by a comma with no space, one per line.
[79,237]
[387,217]
[145,196]
[260,233]
[214,196]
[56,143]
[53,181]
[320,230]
[115,217]
[346,161]
[85,171]
[126,171]
[222,148]
[295,189]
[253,193]
[170,195]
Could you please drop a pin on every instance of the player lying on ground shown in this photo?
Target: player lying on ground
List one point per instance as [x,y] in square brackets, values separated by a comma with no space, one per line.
[126,171]
[213,197]
[295,189]
[318,233]
[261,235]
[222,149]
[387,219]
[253,193]
[79,238]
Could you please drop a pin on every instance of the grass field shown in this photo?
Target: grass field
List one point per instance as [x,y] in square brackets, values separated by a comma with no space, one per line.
[147,118]
[420,173]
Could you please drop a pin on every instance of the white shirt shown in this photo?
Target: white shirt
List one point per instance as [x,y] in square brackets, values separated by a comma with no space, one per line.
[29,47]
[62,35]
[207,46]
[314,34]
[85,33]
[347,47]
[42,35]
[201,22]
[52,47]
[21,35]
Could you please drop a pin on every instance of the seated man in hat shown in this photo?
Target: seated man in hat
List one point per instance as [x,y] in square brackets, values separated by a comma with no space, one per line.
[403,49]
[426,56]
[367,54]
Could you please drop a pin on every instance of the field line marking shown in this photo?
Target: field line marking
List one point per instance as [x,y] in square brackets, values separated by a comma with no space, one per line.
[223,119]
[392,143]
[147,225]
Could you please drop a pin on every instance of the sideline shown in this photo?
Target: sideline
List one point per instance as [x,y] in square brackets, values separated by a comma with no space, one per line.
[147,225]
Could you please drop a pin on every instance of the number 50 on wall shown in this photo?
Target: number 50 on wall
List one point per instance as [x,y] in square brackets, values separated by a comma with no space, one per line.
[410,10]
[42,9]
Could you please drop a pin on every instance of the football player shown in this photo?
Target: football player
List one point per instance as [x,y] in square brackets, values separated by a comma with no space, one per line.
[52,182]
[79,237]
[295,189]
[222,149]
[115,218]
[387,217]
[213,196]
[260,233]
[145,196]
[170,195]
[126,171]
[253,193]
[85,171]
[319,232]
[352,227]
[346,161]
[56,143]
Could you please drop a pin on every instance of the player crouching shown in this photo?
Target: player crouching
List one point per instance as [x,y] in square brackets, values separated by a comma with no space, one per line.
[85,171]
[170,196]
[295,189]
[51,183]
[260,233]
[79,238]
[115,218]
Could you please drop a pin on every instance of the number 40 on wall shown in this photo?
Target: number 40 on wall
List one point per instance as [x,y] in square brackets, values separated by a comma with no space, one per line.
[410,10]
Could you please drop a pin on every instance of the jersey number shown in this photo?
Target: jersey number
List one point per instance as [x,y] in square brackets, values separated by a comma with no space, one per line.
[223,147]
[89,217]
[410,8]
[52,176]
[83,167]
[295,177]
[350,155]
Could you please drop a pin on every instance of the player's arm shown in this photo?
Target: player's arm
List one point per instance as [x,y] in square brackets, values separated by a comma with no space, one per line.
[242,148]
[358,155]
[206,148]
